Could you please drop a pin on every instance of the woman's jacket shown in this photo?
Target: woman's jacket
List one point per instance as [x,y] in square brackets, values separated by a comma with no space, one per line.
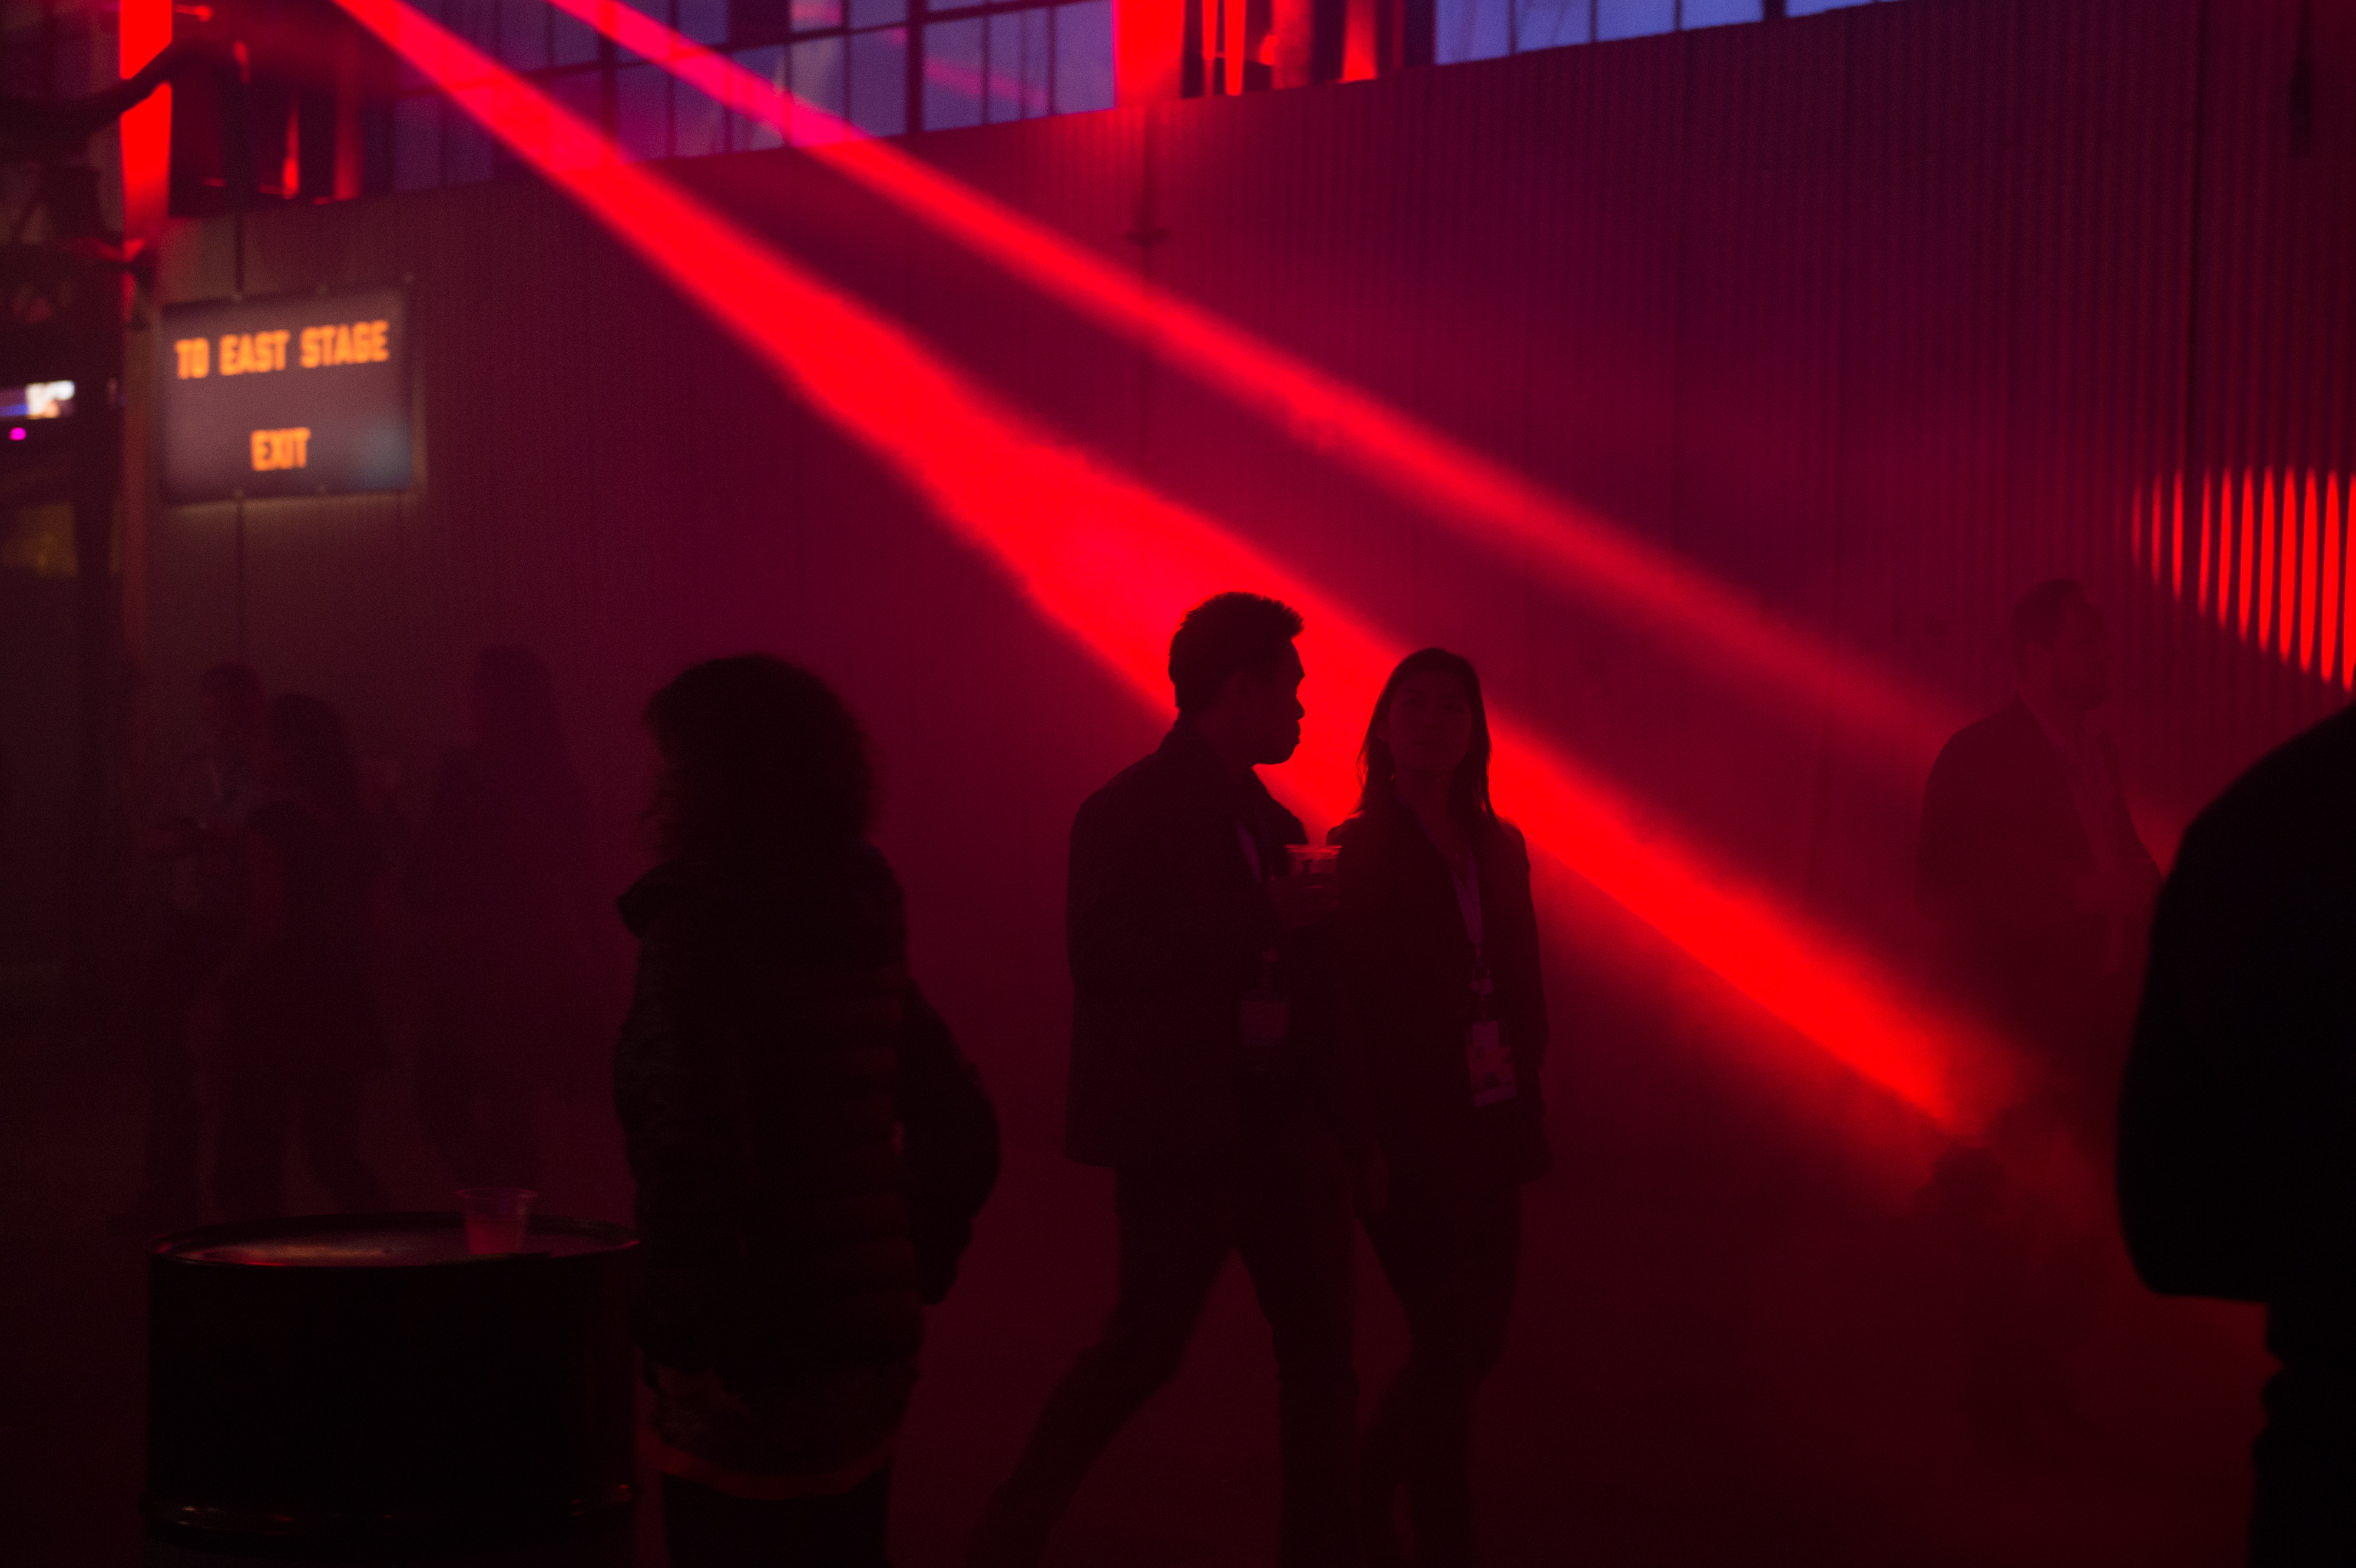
[809,1146]
[1405,977]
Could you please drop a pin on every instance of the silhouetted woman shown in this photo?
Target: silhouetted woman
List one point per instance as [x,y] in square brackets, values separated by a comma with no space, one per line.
[1441,986]
[808,1145]
[302,1033]
[504,889]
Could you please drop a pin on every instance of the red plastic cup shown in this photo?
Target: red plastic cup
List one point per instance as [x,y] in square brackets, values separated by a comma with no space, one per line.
[496,1216]
[1313,859]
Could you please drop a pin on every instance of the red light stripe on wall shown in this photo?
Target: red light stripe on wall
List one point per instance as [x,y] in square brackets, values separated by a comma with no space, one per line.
[1115,565]
[1568,546]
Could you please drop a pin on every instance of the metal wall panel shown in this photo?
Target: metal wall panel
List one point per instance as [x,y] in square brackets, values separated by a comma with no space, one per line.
[1876,315]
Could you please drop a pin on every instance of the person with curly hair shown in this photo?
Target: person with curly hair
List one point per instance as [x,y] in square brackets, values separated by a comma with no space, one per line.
[809,1146]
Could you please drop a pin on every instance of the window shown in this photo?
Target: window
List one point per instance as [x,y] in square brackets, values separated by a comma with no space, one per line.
[1484,30]
[887,66]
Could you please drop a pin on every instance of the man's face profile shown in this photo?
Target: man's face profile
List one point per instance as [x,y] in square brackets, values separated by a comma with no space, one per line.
[1267,708]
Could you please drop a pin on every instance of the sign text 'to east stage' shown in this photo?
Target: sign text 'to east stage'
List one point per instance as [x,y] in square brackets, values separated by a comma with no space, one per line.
[298,395]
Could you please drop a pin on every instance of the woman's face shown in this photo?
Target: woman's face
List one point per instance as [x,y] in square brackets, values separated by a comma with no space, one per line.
[1429,725]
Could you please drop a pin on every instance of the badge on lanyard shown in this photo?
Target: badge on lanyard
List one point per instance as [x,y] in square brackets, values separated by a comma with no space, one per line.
[1266,1021]
[1489,1063]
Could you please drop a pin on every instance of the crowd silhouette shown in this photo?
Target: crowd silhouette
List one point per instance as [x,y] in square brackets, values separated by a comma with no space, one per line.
[1274,1043]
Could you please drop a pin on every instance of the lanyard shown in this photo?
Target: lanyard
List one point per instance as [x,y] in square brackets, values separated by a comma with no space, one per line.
[1468,904]
[1468,901]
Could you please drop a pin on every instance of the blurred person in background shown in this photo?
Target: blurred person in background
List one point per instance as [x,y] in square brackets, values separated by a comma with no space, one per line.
[504,888]
[2040,890]
[809,1146]
[1445,1005]
[302,1033]
[195,836]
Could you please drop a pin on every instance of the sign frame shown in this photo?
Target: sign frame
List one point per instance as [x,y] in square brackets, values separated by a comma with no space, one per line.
[321,400]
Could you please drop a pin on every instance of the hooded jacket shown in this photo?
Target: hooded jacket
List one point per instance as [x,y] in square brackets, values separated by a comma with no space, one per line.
[809,1146]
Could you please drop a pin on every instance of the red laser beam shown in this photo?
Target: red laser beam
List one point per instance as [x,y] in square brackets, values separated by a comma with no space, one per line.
[1114,564]
[1567,545]
[145,28]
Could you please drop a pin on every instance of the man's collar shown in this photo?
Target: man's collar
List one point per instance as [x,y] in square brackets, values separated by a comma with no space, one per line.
[1186,745]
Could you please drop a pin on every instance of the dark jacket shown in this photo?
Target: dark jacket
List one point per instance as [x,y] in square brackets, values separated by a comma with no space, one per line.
[2237,1124]
[809,1144]
[1406,973]
[1166,928]
[2002,854]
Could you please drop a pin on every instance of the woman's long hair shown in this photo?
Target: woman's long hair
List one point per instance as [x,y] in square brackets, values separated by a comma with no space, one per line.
[308,737]
[760,759]
[1467,792]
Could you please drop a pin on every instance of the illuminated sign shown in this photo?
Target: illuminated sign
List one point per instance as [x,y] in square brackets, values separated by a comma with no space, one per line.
[294,395]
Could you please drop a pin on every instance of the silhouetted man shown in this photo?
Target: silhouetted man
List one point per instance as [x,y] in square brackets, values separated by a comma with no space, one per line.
[195,835]
[1201,1074]
[2237,1124]
[2031,869]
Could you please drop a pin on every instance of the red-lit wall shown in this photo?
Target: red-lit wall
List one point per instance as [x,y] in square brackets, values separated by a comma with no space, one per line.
[1876,315]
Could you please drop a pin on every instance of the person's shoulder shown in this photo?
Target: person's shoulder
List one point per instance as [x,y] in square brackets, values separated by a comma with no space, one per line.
[1371,827]
[1510,841]
[1142,786]
[2286,795]
[2001,733]
[1987,760]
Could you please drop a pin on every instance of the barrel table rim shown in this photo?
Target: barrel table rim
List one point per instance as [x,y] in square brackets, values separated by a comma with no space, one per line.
[426,1249]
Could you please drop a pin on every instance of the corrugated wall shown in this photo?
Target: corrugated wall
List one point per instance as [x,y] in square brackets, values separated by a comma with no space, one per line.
[1876,315]
[1875,318]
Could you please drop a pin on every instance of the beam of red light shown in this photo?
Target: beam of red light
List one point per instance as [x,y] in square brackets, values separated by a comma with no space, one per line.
[1566,544]
[1115,565]
[145,30]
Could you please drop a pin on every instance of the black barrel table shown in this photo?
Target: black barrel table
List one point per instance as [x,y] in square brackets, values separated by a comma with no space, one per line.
[361,1381]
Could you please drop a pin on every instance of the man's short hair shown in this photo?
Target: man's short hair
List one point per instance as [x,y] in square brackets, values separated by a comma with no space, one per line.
[231,679]
[1225,634]
[2037,615]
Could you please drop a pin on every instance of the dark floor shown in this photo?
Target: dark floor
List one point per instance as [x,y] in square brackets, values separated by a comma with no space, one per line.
[1730,1347]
